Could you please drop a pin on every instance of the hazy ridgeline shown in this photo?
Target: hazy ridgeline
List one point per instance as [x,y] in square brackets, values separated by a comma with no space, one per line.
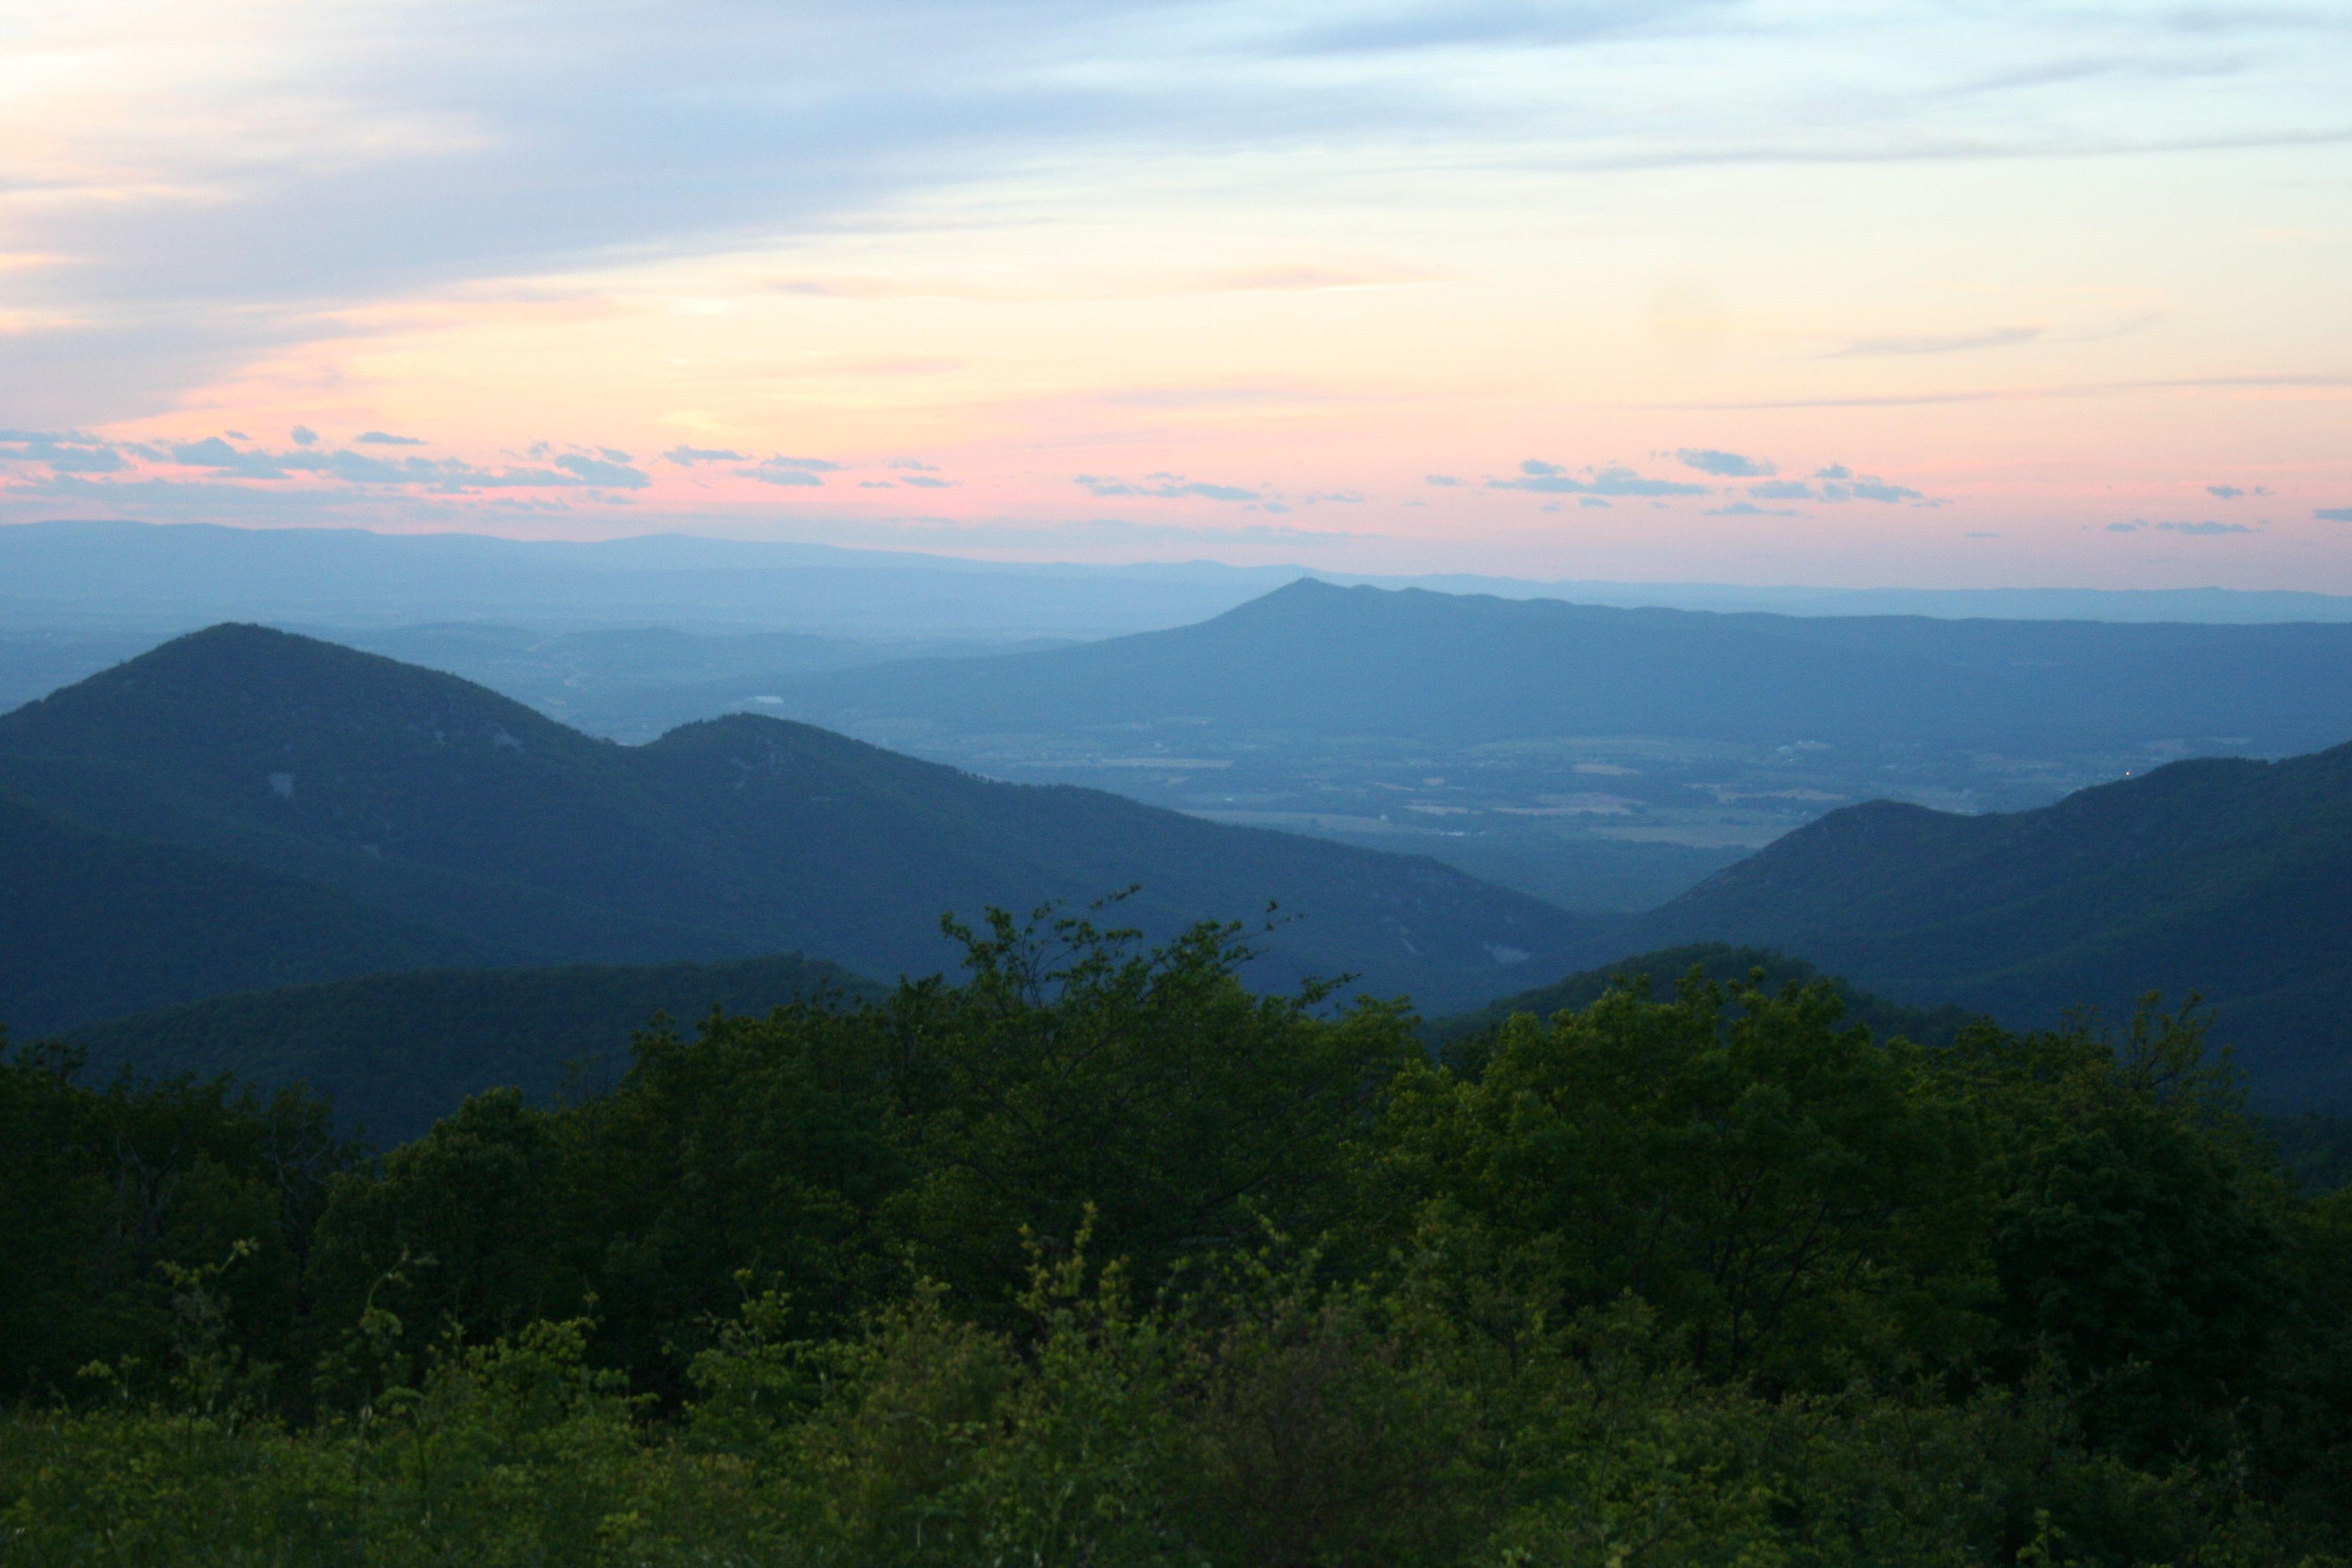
[1602,759]
[62,575]
[410,800]
[243,809]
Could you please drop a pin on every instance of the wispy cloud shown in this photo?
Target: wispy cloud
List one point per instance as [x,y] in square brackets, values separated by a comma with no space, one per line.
[2317,381]
[1899,347]
[1836,484]
[1164,487]
[1555,479]
[603,471]
[1725,464]
[1138,283]
[63,452]
[1413,28]
[1122,533]
[311,464]
[780,470]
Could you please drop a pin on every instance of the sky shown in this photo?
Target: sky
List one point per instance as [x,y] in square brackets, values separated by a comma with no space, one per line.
[1883,293]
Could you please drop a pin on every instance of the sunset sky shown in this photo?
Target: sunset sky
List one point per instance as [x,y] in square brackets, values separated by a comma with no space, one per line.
[1870,293]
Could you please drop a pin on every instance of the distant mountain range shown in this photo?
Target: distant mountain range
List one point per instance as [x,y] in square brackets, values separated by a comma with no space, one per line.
[101,575]
[243,809]
[459,821]
[2225,878]
[1311,657]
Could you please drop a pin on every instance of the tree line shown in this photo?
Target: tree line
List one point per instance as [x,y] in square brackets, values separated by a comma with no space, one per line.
[1095,1256]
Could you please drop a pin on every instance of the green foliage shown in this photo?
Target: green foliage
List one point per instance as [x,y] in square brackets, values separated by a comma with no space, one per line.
[1794,1198]
[1095,1258]
[836,1150]
[127,1213]
[2314,1149]
[1211,1108]
[2140,1233]
[1466,1038]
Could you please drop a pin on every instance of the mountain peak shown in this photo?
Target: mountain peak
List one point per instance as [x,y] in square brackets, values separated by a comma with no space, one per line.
[238,677]
[435,799]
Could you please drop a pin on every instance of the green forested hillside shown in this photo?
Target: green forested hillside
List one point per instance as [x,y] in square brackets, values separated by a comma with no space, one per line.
[92,924]
[2231,880]
[1664,970]
[437,802]
[1098,1259]
[393,1053]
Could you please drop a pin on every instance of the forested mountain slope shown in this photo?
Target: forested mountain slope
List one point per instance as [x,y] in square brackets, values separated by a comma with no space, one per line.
[2230,878]
[1315,657]
[438,802]
[92,924]
[393,1053]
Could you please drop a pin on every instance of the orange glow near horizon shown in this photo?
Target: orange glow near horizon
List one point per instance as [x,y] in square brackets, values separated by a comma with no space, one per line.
[1653,311]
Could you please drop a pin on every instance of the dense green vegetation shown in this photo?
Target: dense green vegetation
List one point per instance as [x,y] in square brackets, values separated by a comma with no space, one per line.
[1096,1257]
[394,1053]
[2230,880]
[444,804]
[1754,967]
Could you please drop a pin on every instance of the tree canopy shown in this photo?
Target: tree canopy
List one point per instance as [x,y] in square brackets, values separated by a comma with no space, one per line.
[1094,1256]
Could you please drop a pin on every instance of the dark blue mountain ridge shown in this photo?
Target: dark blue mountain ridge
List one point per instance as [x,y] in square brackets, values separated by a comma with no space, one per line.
[2227,878]
[95,924]
[437,802]
[394,1052]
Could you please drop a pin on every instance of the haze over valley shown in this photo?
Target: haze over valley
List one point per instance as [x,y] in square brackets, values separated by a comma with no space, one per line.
[1443,795]
[1601,759]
